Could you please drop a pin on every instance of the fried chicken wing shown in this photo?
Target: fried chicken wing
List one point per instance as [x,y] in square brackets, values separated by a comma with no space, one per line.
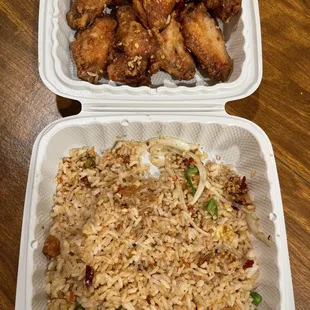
[83,12]
[134,48]
[154,13]
[129,70]
[132,37]
[172,55]
[204,39]
[223,9]
[92,48]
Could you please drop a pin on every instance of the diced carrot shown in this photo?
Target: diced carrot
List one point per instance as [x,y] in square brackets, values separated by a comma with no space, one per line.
[72,296]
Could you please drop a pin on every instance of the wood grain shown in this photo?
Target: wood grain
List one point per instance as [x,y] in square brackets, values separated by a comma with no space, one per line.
[280,106]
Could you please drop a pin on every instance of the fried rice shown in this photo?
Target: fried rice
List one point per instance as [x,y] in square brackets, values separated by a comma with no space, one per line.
[131,239]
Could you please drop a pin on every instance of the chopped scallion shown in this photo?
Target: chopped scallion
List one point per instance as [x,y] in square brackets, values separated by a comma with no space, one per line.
[211,207]
[78,307]
[190,171]
[257,298]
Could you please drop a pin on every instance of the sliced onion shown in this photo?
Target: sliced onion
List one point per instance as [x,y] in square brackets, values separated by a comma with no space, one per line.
[216,193]
[194,225]
[252,220]
[202,177]
[158,162]
[180,193]
[172,142]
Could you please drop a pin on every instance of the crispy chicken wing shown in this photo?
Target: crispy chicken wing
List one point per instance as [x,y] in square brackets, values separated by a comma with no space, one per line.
[132,37]
[92,48]
[223,9]
[83,12]
[129,70]
[172,55]
[134,48]
[154,13]
[204,39]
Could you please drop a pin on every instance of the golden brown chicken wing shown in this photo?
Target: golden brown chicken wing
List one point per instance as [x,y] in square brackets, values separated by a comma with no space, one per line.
[172,55]
[128,70]
[204,39]
[223,9]
[135,47]
[154,13]
[92,48]
[83,12]
[132,37]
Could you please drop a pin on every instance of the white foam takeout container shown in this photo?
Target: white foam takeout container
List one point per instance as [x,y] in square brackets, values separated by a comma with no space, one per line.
[194,113]
[57,69]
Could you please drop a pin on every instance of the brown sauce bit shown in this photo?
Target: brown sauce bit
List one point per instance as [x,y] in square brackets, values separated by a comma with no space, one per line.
[51,246]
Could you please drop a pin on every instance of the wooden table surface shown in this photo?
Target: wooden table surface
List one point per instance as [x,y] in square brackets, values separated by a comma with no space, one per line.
[280,106]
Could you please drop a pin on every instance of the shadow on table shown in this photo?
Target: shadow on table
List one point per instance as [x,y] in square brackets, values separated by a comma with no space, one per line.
[68,107]
[246,108]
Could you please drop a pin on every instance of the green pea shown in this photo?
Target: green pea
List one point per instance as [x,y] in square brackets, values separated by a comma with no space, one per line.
[211,207]
[257,298]
[79,307]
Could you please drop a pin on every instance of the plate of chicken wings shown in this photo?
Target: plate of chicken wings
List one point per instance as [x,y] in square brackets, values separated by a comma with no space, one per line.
[128,42]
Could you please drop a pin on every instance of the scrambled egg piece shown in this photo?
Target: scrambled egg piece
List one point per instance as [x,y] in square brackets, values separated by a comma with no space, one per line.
[223,232]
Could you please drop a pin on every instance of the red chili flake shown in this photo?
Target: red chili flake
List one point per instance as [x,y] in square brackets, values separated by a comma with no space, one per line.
[119,188]
[188,161]
[248,264]
[243,185]
[72,296]
[180,6]
[234,206]
[89,276]
[126,159]
[175,178]
[147,143]
[190,208]
[85,181]
[59,180]
[60,294]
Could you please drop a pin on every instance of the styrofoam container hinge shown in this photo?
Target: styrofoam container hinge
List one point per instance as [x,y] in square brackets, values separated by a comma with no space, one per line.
[217,107]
